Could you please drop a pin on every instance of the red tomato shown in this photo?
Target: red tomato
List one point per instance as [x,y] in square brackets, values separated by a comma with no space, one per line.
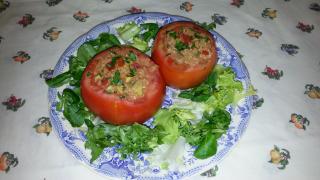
[127,97]
[185,52]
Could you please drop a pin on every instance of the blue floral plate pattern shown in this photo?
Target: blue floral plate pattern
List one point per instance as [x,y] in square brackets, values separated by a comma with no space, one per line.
[109,163]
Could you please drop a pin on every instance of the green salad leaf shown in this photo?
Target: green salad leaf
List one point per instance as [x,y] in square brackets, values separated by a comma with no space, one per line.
[73,108]
[150,31]
[128,31]
[130,139]
[140,44]
[208,26]
[138,36]
[169,123]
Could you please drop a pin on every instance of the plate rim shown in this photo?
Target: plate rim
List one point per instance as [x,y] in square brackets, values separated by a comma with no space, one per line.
[83,37]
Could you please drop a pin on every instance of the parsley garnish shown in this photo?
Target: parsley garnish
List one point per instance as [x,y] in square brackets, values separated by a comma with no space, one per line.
[116,78]
[113,61]
[173,34]
[181,46]
[132,56]
[133,72]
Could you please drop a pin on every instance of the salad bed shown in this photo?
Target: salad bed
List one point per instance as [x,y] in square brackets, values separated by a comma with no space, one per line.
[213,95]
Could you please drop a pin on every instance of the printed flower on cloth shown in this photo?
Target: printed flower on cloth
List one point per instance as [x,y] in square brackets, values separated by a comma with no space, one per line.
[7,160]
[43,126]
[253,33]
[257,102]
[26,20]
[305,27]
[279,157]
[53,2]
[21,57]
[269,13]
[13,103]
[299,121]
[46,74]
[312,91]
[108,1]
[51,34]
[272,73]
[237,3]
[290,49]
[187,6]
[81,16]
[219,19]
[134,10]
[315,6]
[4,5]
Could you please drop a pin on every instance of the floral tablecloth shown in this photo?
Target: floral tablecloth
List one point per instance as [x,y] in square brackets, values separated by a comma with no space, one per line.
[278,40]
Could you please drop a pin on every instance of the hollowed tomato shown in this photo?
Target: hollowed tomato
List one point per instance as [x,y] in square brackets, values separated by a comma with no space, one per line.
[122,85]
[185,52]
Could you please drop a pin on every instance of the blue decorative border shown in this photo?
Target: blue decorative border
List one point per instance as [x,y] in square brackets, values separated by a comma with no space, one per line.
[109,164]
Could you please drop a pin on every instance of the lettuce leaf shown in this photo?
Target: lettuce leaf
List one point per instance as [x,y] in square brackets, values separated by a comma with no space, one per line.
[170,121]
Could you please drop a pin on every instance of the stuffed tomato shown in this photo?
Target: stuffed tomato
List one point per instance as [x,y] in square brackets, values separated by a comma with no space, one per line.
[185,53]
[122,85]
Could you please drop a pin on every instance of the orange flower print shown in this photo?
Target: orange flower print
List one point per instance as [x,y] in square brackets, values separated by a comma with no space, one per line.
[187,6]
[269,13]
[253,33]
[80,16]
[312,91]
[7,160]
[43,126]
[51,34]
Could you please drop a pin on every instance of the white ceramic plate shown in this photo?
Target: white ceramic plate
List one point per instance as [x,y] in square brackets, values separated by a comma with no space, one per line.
[109,162]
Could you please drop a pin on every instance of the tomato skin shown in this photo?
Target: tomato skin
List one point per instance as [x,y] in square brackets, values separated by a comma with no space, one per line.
[118,111]
[181,76]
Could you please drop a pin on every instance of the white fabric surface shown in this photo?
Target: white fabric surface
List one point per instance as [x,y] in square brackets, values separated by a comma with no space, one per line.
[45,157]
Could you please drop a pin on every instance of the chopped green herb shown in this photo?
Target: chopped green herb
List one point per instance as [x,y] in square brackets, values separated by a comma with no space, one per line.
[197,35]
[133,72]
[113,61]
[88,74]
[116,78]
[132,56]
[181,46]
[127,60]
[173,34]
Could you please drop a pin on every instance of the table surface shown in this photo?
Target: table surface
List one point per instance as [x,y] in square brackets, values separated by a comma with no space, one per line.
[33,35]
